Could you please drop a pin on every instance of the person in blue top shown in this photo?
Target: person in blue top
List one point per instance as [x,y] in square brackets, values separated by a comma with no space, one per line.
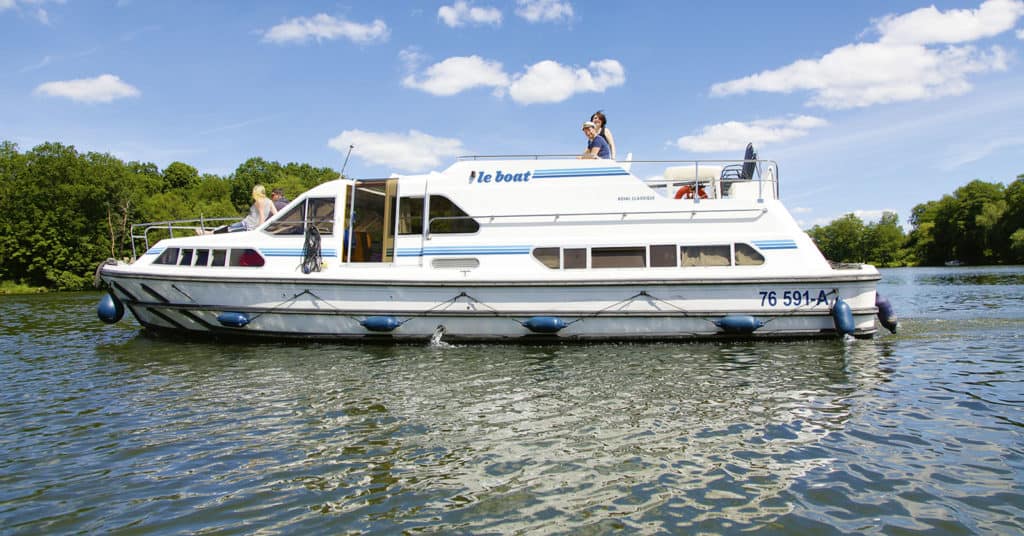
[597,147]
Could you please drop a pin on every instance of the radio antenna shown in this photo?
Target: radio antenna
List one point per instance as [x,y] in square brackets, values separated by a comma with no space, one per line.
[350,147]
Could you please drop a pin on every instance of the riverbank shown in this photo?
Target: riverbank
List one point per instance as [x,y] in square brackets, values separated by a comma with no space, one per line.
[10,287]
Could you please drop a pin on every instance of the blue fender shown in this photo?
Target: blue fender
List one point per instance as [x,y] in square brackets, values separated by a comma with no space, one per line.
[886,314]
[842,317]
[110,309]
[545,324]
[380,323]
[233,319]
[739,324]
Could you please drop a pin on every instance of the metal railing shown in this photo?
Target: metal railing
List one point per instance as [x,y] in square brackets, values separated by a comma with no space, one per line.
[201,225]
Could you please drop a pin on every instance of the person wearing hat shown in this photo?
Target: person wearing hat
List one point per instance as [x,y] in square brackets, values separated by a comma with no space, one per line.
[596,146]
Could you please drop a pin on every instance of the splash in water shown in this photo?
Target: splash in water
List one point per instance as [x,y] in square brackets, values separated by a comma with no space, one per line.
[435,339]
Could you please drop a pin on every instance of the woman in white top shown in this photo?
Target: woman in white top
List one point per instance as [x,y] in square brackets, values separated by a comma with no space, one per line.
[602,130]
[262,208]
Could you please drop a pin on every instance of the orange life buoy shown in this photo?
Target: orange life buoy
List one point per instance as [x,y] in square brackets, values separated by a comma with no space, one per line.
[687,192]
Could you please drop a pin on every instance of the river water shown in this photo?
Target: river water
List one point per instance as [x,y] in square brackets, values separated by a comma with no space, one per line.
[108,430]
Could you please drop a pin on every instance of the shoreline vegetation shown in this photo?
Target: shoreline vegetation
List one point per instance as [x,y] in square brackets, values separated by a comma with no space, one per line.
[63,212]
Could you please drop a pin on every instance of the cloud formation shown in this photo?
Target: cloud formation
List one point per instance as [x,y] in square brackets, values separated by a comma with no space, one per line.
[928,25]
[461,13]
[549,81]
[544,82]
[734,135]
[411,152]
[322,26]
[456,74]
[103,88]
[900,66]
[544,10]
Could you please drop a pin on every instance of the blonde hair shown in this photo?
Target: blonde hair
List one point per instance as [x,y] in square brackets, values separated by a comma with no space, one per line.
[259,192]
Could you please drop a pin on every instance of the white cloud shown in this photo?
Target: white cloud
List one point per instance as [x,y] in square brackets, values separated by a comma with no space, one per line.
[103,88]
[872,73]
[321,26]
[928,25]
[410,152]
[872,216]
[37,12]
[544,10]
[899,67]
[458,74]
[544,82]
[734,135]
[549,81]
[461,13]
[1020,34]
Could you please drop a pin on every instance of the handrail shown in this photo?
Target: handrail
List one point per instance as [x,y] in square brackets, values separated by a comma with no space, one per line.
[556,216]
[170,226]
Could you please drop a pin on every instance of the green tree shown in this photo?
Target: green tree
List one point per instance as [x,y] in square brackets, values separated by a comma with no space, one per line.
[842,240]
[884,241]
[179,175]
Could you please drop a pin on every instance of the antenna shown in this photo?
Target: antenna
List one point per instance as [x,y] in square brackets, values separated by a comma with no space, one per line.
[350,147]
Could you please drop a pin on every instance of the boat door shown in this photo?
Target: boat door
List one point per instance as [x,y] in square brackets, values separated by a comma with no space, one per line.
[369,221]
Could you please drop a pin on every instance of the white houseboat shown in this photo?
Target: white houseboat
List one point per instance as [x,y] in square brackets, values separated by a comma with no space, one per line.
[510,248]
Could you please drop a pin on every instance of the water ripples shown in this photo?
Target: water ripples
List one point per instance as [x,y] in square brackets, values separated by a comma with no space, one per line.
[110,430]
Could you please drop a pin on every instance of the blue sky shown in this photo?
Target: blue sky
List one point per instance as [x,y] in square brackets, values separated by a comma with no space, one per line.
[866,106]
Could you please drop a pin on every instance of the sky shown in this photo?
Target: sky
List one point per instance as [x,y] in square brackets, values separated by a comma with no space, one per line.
[866,106]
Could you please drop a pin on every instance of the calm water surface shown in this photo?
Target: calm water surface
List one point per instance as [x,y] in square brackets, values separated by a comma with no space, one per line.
[106,430]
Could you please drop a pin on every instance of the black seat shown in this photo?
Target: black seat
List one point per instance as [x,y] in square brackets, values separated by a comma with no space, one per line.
[744,171]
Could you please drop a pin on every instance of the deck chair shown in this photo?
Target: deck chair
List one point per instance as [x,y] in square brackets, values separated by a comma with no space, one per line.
[744,171]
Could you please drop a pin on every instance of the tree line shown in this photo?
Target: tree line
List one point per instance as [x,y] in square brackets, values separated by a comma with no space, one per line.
[62,212]
[979,223]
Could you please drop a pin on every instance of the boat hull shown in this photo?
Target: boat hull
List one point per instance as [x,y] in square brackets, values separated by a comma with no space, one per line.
[495,310]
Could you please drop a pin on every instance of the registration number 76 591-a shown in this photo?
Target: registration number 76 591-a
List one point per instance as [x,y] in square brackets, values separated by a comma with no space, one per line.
[793,298]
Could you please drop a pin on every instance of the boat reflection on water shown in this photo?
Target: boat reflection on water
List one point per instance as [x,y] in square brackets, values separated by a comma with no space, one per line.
[506,438]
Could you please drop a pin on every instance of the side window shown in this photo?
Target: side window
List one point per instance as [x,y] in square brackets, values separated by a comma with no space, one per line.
[169,256]
[321,214]
[704,255]
[634,257]
[452,218]
[548,257]
[318,211]
[410,215]
[748,256]
[289,223]
[575,258]
[664,255]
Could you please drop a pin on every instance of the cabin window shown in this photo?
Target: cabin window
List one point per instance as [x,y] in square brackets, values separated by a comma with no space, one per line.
[202,257]
[633,257]
[748,256]
[186,258]
[705,255]
[316,211]
[575,258]
[219,257]
[549,257]
[246,257]
[410,216]
[169,256]
[664,255]
[321,214]
[447,218]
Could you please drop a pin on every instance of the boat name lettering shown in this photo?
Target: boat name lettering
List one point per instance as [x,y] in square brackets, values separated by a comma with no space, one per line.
[498,176]
[793,298]
[636,198]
